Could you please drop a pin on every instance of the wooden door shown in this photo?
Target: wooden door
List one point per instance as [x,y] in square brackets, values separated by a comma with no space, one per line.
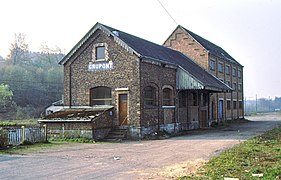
[203,118]
[123,109]
[221,108]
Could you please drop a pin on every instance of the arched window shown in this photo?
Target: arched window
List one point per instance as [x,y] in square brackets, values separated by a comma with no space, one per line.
[150,96]
[100,96]
[167,97]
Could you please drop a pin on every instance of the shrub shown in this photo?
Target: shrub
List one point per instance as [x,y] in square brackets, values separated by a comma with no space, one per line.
[3,138]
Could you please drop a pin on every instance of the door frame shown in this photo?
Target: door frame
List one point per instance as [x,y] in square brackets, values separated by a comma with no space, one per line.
[124,92]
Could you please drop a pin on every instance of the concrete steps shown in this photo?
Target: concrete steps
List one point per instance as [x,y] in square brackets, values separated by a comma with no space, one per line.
[116,134]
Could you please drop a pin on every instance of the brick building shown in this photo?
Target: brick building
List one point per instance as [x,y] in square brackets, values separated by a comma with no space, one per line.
[141,86]
[223,106]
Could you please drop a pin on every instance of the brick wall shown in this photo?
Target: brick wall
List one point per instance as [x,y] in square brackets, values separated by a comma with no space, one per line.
[184,43]
[158,77]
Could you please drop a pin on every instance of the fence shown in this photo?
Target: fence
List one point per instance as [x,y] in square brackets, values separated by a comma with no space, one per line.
[17,136]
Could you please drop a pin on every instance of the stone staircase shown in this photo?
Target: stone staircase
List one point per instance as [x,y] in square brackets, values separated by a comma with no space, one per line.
[116,134]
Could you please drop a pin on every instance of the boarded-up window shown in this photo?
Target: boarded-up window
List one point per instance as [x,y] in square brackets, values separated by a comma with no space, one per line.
[167,97]
[101,96]
[150,96]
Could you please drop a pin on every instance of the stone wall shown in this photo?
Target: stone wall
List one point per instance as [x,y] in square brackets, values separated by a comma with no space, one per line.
[78,79]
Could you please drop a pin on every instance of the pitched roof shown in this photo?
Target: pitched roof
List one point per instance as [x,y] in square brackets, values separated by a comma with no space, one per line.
[211,47]
[149,50]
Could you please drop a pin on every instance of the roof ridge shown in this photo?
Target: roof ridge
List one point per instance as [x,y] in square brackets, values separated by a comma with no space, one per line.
[211,47]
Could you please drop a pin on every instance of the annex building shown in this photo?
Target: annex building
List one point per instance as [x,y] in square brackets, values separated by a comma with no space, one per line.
[113,79]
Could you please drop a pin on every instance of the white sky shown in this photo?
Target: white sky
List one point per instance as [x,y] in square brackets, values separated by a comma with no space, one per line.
[249,30]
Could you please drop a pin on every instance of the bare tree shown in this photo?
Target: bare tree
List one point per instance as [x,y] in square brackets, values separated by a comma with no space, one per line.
[19,50]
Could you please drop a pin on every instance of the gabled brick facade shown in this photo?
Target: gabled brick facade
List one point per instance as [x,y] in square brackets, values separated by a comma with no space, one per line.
[223,106]
[147,87]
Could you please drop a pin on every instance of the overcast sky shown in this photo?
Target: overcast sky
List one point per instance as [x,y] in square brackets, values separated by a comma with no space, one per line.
[249,30]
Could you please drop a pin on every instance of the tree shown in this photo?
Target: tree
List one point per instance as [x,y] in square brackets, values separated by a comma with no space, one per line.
[6,96]
[19,50]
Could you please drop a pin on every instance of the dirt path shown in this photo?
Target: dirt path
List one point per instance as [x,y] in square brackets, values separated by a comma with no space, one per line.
[158,159]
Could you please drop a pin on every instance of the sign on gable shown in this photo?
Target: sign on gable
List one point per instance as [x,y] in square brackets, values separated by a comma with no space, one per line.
[100,66]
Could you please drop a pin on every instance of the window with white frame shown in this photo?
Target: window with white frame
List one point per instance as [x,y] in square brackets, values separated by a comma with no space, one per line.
[99,52]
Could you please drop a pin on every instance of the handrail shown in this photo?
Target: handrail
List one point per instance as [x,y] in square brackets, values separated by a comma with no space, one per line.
[123,121]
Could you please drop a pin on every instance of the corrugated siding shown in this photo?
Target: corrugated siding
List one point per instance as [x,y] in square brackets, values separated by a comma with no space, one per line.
[186,81]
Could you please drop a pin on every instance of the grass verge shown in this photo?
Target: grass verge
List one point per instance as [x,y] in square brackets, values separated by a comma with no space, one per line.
[25,122]
[30,148]
[257,157]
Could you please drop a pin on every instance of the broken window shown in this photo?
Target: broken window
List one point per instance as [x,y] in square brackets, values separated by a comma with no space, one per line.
[101,96]
[150,96]
[167,97]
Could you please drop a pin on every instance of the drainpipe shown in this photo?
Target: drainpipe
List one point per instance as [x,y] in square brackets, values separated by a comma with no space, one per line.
[70,90]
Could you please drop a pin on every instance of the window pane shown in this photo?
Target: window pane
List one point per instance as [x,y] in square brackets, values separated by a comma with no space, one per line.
[212,65]
[167,94]
[101,96]
[149,96]
[233,72]
[220,67]
[226,69]
[100,52]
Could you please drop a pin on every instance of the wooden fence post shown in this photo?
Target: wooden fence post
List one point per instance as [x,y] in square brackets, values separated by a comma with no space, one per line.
[23,133]
[45,133]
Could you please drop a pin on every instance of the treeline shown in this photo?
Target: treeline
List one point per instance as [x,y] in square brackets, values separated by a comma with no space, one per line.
[263,105]
[34,78]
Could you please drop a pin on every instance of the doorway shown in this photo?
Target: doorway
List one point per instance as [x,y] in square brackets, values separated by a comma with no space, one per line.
[123,109]
[221,108]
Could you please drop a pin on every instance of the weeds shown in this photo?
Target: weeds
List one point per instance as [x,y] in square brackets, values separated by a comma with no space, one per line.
[259,156]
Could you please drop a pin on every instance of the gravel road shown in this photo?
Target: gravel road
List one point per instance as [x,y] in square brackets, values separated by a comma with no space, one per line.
[155,159]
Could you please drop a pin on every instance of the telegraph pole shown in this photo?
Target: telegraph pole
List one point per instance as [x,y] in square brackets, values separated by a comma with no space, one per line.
[256,103]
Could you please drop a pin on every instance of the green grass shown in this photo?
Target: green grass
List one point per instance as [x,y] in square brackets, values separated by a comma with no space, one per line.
[75,140]
[30,148]
[25,122]
[260,155]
